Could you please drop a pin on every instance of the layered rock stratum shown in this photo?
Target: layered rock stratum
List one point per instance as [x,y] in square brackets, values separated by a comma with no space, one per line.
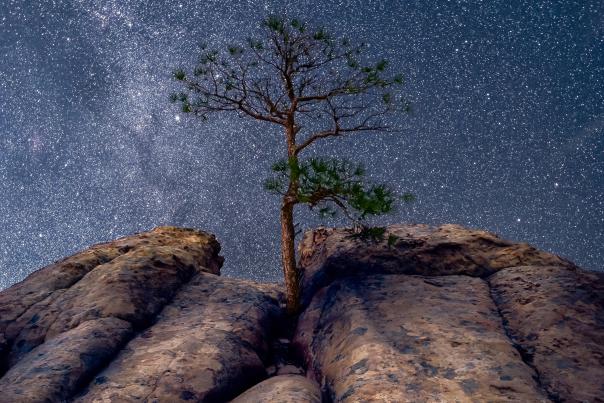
[416,314]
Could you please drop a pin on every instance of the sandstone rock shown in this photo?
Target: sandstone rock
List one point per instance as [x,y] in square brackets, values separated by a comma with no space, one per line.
[425,314]
[64,273]
[532,331]
[65,363]
[556,316]
[400,338]
[327,254]
[130,279]
[210,344]
[282,389]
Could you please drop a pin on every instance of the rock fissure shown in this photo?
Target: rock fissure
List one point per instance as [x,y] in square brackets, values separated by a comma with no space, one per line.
[524,355]
[442,314]
[424,324]
[331,295]
[555,314]
[136,332]
[40,296]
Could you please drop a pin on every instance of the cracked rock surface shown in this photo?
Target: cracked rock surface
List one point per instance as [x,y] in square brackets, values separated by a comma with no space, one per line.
[421,314]
[448,314]
[66,322]
[208,344]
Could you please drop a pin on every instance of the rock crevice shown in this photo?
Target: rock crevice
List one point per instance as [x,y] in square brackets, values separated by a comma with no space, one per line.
[525,355]
[448,314]
[555,315]
[89,299]
[424,314]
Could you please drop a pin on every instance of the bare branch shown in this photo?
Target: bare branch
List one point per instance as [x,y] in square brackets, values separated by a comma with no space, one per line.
[338,114]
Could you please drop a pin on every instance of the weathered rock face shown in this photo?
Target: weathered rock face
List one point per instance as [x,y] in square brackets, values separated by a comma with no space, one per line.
[425,314]
[411,338]
[66,322]
[448,314]
[130,279]
[556,317]
[329,253]
[209,344]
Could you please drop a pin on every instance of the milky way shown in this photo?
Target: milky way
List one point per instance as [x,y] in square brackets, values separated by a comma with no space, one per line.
[506,131]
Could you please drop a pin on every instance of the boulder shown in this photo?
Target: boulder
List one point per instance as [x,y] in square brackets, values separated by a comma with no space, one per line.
[423,313]
[58,316]
[210,344]
[402,338]
[282,389]
[555,315]
[330,253]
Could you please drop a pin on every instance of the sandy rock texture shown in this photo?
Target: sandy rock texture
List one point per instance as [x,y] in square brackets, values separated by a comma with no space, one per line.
[282,389]
[330,253]
[418,314]
[447,314]
[68,320]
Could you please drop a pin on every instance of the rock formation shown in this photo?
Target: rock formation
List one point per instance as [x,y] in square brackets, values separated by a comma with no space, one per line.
[418,313]
[448,314]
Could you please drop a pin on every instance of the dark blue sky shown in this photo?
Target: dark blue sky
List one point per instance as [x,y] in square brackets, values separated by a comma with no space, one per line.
[506,132]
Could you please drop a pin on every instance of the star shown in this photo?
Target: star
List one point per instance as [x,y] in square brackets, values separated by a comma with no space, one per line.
[499,112]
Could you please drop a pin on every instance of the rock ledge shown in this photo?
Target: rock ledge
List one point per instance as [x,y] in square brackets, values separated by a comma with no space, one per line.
[424,314]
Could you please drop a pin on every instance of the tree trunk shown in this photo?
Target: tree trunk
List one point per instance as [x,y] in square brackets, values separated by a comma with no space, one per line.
[288,257]
[288,235]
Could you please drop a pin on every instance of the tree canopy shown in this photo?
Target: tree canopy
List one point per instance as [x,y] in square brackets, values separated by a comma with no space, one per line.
[315,87]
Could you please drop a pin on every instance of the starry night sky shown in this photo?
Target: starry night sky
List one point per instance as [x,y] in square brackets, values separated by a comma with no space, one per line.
[506,132]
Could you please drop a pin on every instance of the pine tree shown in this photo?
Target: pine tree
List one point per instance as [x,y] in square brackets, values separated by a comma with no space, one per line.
[315,87]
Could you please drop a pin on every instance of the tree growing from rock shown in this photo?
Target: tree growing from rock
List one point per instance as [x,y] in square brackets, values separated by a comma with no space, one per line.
[314,87]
